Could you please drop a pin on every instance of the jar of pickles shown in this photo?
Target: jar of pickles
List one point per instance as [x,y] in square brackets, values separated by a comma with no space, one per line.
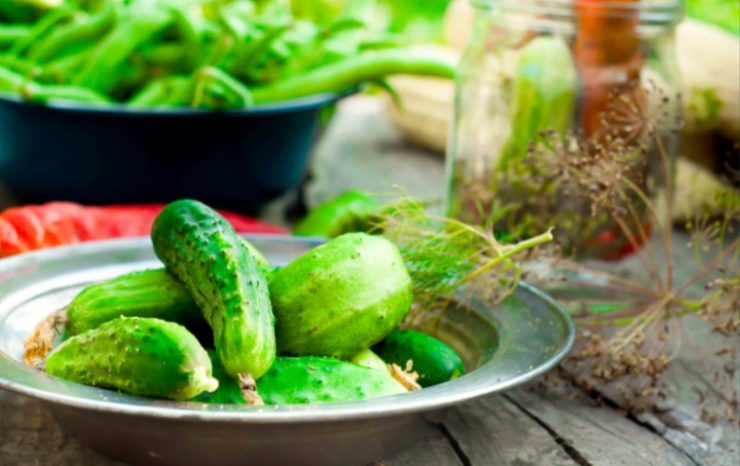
[565,116]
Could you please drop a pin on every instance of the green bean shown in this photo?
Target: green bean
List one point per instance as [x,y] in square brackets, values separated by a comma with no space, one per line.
[179,93]
[10,33]
[60,69]
[247,54]
[209,76]
[233,17]
[44,94]
[87,29]
[19,11]
[170,91]
[99,72]
[166,55]
[18,65]
[138,52]
[41,28]
[150,94]
[189,35]
[10,81]
[345,74]
[34,92]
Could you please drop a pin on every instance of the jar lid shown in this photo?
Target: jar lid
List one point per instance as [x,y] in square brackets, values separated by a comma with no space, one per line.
[647,11]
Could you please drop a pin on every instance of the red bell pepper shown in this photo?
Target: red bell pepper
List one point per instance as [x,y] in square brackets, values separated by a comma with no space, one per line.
[56,223]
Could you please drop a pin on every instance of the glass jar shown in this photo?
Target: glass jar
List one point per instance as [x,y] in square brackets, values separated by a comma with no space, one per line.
[565,115]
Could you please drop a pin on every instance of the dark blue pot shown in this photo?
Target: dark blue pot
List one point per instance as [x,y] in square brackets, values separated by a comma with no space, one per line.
[102,155]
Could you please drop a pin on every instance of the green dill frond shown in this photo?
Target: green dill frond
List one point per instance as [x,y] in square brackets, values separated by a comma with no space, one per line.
[445,256]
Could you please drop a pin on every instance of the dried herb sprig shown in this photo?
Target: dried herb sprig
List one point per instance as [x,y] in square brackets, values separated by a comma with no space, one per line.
[628,325]
[443,255]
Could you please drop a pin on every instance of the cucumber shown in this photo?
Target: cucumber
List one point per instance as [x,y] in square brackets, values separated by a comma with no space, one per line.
[350,211]
[340,297]
[432,359]
[202,250]
[367,358]
[149,293]
[228,391]
[544,95]
[137,355]
[323,380]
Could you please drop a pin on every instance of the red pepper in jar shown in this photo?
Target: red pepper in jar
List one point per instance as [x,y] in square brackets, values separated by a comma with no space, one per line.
[609,60]
[41,226]
[607,54]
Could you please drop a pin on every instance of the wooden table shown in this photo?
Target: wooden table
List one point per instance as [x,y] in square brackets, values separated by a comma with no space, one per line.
[525,426]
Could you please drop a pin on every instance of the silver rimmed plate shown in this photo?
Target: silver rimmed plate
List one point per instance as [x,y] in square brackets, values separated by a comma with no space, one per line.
[502,347]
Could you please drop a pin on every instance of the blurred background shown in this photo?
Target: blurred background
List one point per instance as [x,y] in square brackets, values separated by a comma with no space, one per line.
[267,107]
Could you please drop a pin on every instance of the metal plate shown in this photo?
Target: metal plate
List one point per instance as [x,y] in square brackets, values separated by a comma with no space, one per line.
[503,347]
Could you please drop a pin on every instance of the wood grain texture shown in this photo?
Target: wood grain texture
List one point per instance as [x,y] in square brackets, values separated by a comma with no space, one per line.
[603,436]
[29,435]
[434,449]
[494,431]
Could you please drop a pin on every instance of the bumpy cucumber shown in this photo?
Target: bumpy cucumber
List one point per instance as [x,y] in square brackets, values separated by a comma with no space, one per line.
[228,391]
[323,380]
[340,297]
[348,212]
[201,248]
[433,360]
[262,261]
[150,293]
[544,94]
[137,355]
[367,358]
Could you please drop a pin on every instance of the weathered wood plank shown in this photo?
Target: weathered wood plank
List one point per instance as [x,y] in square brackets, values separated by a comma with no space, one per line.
[493,431]
[433,449]
[600,434]
[692,373]
[29,435]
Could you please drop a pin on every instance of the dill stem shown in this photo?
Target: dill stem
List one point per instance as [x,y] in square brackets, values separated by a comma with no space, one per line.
[667,230]
[708,267]
[626,316]
[686,306]
[644,238]
[509,251]
[639,193]
[679,337]
[690,305]
[645,319]
[628,284]
[613,287]
[652,271]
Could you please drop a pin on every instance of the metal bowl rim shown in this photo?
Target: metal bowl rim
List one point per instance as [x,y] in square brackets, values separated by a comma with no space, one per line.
[424,400]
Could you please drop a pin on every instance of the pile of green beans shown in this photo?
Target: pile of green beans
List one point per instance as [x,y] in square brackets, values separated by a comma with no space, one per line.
[209,54]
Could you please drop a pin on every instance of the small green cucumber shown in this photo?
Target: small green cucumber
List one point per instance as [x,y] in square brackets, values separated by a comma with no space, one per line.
[149,293]
[432,359]
[228,392]
[544,93]
[350,211]
[340,297]
[367,358]
[200,248]
[137,355]
[262,261]
[323,380]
